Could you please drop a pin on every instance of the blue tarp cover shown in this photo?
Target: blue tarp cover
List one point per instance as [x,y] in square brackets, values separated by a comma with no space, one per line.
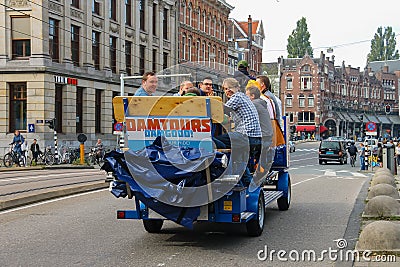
[156,169]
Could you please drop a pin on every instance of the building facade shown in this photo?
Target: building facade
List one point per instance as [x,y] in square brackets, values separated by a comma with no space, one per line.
[324,100]
[248,38]
[63,60]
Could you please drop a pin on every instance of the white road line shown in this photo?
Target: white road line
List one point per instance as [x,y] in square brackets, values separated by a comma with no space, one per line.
[357,174]
[47,175]
[330,173]
[307,180]
[51,200]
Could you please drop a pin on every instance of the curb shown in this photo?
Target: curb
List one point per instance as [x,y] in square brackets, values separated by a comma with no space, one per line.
[13,203]
[53,167]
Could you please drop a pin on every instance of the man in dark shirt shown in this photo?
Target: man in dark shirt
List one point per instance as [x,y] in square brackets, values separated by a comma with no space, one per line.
[35,150]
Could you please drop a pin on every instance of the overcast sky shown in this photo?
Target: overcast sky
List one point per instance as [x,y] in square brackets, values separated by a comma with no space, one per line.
[345,25]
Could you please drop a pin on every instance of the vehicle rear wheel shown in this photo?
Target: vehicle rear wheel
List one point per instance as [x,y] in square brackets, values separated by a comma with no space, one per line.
[8,160]
[49,159]
[320,162]
[153,226]
[341,161]
[284,202]
[255,226]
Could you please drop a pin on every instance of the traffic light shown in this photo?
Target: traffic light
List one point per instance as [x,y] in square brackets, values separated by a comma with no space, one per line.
[387,109]
[51,123]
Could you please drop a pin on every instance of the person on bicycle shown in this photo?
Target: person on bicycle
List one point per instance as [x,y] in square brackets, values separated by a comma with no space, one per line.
[353,153]
[18,140]
[99,149]
[35,150]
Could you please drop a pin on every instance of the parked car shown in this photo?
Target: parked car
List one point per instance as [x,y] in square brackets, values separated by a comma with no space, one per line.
[292,146]
[332,150]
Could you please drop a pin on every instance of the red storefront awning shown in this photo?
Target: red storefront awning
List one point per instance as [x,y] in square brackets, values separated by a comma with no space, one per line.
[305,128]
[322,129]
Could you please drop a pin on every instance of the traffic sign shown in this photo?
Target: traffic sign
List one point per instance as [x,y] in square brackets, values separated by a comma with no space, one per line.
[370,126]
[118,126]
[31,128]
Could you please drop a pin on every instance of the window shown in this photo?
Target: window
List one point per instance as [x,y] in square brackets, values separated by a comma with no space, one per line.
[289,100]
[21,37]
[184,13]
[75,44]
[305,68]
[128,12]
[75,3]
[154,19]
[58,108]
[306,83]
[198,19]
[322,81]
[198,52]
[95,7]
[97,115]
[142,50]
[311,100]
[214,27]
[113,54]
[190,14]
[204,52]
[306,116]
[301,101]
[113,9]
[165,60]
[165,24]
[142,6]
[18,95]
[54,44]
[154,60]
[96,49]
[128,57]
[291,117]
[79,110]
[184,47]
[189,48]
[204,21]
[289,83]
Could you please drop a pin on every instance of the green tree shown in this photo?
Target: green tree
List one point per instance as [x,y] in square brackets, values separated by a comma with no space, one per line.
[299,41]
[383,46]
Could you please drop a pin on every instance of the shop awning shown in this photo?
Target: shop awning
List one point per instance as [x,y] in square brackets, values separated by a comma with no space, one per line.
[354,117]
[340,116]
[322,129]
[384,120]
[305,128]
[395,119]
[347,117]
[371,118]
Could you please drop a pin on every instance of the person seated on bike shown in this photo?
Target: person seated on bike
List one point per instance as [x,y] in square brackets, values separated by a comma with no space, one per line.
[35,150]
[18,140]
[353,153]
[99,149]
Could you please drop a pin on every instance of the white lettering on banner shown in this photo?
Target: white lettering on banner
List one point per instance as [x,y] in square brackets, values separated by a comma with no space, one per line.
[184,132]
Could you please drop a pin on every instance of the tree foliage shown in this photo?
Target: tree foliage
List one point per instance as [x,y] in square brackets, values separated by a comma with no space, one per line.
[383,46]
[299,41]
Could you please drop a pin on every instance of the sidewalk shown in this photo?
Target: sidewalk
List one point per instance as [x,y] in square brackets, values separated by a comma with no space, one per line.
[10,201]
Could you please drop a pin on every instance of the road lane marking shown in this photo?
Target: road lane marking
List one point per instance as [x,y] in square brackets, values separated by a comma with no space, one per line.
[357,174]
[307,180]
[330,173]
[51,200]
[46,176]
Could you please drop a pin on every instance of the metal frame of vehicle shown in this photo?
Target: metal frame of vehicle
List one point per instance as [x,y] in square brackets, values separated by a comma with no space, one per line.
[328,154]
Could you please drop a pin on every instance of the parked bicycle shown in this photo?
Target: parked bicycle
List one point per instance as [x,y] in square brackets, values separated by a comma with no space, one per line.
[95,156]
[13,157]
[46,157]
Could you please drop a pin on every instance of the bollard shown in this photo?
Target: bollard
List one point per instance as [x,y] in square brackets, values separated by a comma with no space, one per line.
[56,147]
[366,155]
[82,153]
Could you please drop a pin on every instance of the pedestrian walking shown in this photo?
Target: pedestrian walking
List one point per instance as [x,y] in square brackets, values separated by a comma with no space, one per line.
[362,157]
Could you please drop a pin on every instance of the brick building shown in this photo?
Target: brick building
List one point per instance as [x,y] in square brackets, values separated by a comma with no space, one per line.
[202,38]
[327,100]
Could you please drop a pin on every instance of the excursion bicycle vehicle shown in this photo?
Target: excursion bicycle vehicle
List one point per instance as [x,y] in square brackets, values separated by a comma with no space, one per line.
[13,157]
[95,157]
[194,186]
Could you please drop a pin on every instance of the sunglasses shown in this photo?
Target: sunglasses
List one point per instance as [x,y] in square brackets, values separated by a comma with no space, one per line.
[207,84]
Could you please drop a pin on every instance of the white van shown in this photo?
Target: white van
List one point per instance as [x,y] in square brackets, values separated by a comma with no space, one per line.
[372,144]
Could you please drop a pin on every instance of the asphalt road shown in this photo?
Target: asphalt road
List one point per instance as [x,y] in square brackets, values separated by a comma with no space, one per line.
[82,230]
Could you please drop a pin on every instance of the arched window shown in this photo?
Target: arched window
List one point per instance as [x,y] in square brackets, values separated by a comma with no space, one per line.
[190,13]
[311,100]
[289,100]
[198,52]
[184,46]
[184,13]
[302,101]
[189,48]
[198,18]
[204,21]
